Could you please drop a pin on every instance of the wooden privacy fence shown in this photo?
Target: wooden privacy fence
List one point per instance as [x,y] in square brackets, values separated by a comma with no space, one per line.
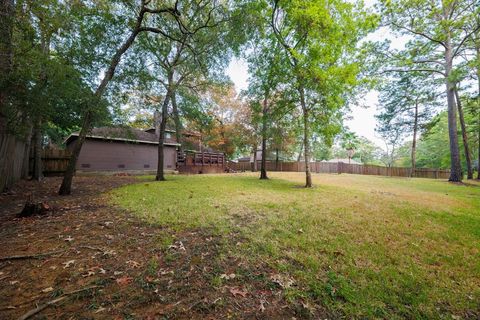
[340,167]
[54,161]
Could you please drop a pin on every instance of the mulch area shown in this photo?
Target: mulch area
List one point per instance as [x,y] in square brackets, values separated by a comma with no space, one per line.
[100,262]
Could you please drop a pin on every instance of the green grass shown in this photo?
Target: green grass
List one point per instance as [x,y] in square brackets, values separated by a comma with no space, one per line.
[361,246]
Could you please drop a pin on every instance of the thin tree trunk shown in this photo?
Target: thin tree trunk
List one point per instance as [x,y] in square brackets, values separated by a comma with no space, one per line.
[178,123]
[477,47]
[455,164]
[300,154]
[276,159]
[26,152]
[414,142]
[468,157]
[306,138]
[161,138]
[254,164]
[37,153]
[263,169]
[66,187]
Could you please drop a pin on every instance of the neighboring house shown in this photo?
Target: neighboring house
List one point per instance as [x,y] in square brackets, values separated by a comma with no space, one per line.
[337,160]
[271,156]
[118,149]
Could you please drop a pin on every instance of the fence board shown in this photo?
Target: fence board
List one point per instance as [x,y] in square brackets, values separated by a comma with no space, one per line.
[54,161]
[338,168]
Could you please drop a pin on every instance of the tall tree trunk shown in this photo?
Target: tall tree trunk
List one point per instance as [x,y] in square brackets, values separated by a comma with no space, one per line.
[37,153]
[163,125]
[38,133]
[455,164]
[468,157]
[26,152]
[263,169]
[306,138]
[7,15]
[414,142]
[276,159]
[254,164]
[66,187]
[477,47]
[178,122]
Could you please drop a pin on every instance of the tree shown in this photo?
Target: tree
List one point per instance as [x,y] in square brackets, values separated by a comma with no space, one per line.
[439,35]
[393,137]
[268,101]
[7,8]
[316,39]
[87,120]
[407,101]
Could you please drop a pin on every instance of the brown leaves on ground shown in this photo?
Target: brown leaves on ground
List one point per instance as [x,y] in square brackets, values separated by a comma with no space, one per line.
[91,243]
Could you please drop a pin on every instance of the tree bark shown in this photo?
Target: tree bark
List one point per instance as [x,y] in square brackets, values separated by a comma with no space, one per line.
[161,137]
[263,169]
[477,47]
[37,153]
[276,159]
[178,122]
[414,142]
[254,164]
[306,138]
[7,145]
[26,152]
[66,187]
[468,157]
[455,164]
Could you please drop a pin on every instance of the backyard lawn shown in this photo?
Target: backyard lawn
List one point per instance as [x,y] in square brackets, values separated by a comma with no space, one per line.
[354,246]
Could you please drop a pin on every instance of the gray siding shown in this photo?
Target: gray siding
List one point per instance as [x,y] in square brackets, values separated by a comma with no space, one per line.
[102,155]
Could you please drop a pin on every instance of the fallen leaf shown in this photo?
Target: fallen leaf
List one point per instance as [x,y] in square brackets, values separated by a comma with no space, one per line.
[88,274]
[109,253]
[238,292]
[100,310]
[68,264]
[227,276]
[262,305]
[46,290]
[123,281]
[117,273]
[14,282]
[282,280]
[68,239]
[133,264]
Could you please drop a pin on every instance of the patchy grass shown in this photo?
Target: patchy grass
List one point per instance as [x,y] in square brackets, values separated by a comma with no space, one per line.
[360,246]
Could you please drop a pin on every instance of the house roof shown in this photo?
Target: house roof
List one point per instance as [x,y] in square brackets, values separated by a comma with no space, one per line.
[126,134]
[337,160]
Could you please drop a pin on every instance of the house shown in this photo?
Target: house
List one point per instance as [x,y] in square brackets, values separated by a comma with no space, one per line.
[337,160]
[271,156]
[125,148]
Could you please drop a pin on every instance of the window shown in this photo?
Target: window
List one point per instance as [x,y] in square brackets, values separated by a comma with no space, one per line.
[146,166]
[85,165]
[121,166]
[168,135]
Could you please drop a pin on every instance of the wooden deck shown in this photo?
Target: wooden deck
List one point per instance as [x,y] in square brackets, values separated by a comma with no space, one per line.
[192,162]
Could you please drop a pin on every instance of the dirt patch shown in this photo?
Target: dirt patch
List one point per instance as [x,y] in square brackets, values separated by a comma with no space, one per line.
[129,269]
